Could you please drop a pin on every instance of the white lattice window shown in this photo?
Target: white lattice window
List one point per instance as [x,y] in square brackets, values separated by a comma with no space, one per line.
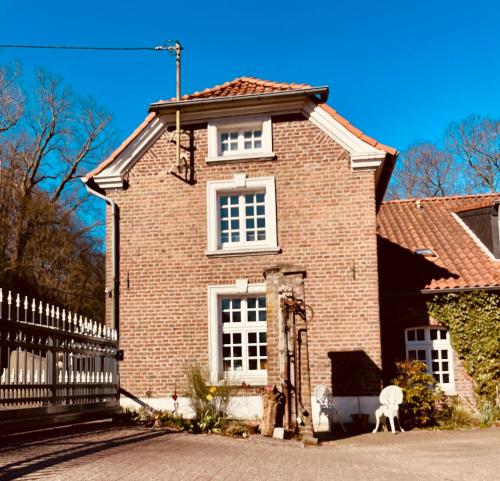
[244,140]
[244,347]
[238,333]
[241,216]
[432,346]
[240,138]
[228,142]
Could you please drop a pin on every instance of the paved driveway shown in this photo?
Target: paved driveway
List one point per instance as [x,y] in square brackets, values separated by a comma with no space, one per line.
[100,451]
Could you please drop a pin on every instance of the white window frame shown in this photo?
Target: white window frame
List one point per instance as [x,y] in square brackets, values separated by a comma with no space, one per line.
[240,288]
[428,345]
[240,124]
[239,185]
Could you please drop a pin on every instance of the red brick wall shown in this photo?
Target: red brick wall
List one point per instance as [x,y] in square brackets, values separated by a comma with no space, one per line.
[326,222]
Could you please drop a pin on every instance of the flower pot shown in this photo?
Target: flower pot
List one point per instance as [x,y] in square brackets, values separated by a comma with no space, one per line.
[360,422]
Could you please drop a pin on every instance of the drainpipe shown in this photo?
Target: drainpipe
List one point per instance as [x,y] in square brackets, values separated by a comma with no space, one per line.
[113,291]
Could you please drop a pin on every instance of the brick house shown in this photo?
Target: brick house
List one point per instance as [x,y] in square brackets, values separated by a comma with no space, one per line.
[276,192]
[427,247]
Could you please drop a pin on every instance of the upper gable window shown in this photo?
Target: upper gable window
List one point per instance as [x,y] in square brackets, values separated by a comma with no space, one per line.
[244,140]
[240,138]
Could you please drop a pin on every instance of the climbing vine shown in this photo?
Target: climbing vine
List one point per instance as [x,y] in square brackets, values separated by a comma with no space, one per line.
[473,320]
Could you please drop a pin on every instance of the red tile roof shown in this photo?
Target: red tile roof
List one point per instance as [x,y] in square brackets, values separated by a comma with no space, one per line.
[244,86]
[252,85]
[365,138]
[460,262]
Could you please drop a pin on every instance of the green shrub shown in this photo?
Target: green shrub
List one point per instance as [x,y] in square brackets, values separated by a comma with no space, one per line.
[473,319]
[457,416]
[210,403]
[210,421]
[422,398]
[170,420]
[143,416]
[489,415]
[150,418]
[238,428]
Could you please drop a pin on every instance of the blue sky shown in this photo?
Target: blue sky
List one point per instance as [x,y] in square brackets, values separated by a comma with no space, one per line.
[398,70]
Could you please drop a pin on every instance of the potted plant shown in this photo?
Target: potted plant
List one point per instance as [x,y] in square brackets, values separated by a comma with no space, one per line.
[360,420]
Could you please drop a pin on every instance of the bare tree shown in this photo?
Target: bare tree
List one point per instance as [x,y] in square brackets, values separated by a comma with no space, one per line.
[56,136]
[424,170]
[11,98]
[476,142]
[468,162]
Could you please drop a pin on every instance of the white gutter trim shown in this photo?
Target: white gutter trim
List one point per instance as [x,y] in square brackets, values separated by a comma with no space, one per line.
[363,155]
[235,98]
[112,176]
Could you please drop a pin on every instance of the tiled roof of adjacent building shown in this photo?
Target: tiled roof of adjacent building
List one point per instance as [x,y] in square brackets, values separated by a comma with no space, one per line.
[461,260]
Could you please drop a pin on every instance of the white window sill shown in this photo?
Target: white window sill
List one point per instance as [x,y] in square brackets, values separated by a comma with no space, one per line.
[233,379]
[242,156]
[447,391]
[239,251]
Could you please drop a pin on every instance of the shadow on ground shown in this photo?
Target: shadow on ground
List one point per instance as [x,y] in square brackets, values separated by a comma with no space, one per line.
[26,454]
[337,434]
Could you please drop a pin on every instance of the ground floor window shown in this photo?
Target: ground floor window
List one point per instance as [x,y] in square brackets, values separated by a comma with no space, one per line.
[244,343]
[432,346]
[238,333]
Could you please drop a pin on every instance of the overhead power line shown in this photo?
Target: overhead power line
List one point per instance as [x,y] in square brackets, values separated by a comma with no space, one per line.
[171,46]
[71,47]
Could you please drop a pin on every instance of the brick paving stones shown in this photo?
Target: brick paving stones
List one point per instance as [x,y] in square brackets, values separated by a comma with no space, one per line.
[101,451]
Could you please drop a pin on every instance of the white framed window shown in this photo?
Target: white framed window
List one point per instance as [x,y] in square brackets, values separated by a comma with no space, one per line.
[240,138]
[246,139]
[432,346]
[238,333]
[241,216]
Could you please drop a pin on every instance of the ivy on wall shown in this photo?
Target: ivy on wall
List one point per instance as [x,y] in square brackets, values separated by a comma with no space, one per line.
[473,320]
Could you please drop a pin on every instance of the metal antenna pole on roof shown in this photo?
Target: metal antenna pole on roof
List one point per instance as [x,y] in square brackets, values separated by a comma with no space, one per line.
[177,48]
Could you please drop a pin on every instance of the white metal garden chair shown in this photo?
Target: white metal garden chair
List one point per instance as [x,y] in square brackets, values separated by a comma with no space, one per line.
[390,399]
[324,398]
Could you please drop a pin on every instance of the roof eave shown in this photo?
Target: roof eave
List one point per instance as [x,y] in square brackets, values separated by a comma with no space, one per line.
[434,291]
[450,290]
[322,92]
[384,176]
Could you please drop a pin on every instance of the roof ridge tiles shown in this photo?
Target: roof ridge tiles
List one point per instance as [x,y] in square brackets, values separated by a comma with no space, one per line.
[217,89]
[440,198]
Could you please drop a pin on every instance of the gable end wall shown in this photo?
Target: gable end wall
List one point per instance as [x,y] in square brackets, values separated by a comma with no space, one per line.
[326,222]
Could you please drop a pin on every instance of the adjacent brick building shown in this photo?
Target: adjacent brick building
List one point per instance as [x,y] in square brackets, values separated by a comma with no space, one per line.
[270,177]
[429,247]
